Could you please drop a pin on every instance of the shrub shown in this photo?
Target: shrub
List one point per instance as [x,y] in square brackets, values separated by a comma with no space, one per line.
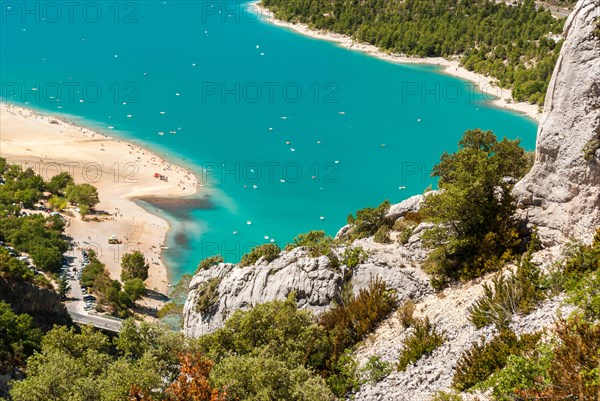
[573,372]
[420,343]
[404,235]
[382,235]
[590,148]
[208,295]
[586,295]
[508,295]
[369,220]
[406,312]
[376,369]
[317,244]
[444,396]
[264,378]
[521,372]
[209,262]
[275,329]
[352,257]
[350,321]
[342,376]
[584,258]
[483,359]
[269,252]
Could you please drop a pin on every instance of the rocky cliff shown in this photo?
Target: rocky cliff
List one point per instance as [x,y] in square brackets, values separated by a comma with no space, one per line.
[42,304]
[217,292]
[561,194]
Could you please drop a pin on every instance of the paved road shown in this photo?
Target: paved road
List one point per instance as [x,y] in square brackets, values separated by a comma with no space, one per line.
[75,306]
[559,12]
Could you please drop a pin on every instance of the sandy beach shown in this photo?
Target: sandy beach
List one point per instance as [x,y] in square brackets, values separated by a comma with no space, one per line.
[500,97]
[120,170]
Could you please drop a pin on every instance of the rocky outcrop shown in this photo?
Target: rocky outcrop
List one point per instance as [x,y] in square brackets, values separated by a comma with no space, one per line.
[40,303]
[314,280]
[561,194]
[217,292]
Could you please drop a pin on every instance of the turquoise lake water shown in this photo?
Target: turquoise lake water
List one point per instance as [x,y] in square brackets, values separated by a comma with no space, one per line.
[234,89]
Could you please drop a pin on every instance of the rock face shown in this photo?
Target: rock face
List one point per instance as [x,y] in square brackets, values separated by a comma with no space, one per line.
[316,282]
[561,194]
[313,279]
[42,304]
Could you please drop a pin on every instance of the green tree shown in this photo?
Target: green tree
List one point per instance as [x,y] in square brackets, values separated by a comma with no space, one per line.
[84,367]
[268,379]
[82,194]
[134,265]
[19,338]
[134,289]
[474,213]
[47,259]
[59,183]
[63,285]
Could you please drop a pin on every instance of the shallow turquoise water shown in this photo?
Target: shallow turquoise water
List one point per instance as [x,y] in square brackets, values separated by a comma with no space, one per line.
[229,97]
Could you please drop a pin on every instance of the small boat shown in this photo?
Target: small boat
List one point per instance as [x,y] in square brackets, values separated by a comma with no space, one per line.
[266,237]
[322,218]
[293,149]
[402,187]
[111,127]
[270,129]
[163,113]
[272,240]
[172,132]
[283,117]
[419,120]
[249,222]
[341,113]
[235,233]
[282,180]
[129,116]
[257,46]
[288,143]
[255,186]
[318,142]
[164,248]
[161,133]
[177,94]
[337,162]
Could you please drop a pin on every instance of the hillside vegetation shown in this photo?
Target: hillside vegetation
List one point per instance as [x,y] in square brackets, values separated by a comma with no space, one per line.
[510,43]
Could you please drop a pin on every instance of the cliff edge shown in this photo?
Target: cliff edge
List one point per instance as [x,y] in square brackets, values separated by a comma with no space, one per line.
[561,194]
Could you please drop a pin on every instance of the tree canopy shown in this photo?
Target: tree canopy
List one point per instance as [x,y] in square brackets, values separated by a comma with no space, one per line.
[511,43]
[474,211]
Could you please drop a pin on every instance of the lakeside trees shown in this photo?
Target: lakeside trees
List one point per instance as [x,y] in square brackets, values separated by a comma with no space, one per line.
[511,43]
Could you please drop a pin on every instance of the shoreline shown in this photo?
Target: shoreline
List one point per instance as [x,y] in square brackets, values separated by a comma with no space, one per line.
[498,97]
[123,172]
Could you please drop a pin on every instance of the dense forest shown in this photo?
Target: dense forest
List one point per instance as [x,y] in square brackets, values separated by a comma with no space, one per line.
[511,43]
